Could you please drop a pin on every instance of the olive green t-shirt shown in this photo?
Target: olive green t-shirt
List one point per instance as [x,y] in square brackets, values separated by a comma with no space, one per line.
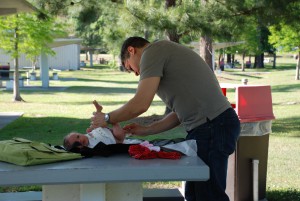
[187,85]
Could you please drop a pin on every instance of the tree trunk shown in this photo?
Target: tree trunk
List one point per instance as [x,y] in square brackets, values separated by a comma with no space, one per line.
[274,60]
[86,55]
[171,33]
[91,58]
[172,36]
[243,61]
[16,93]
[297,67]
[170,3]
[219,59]
[228,60]
[146,34]
[206,50]
[259,61]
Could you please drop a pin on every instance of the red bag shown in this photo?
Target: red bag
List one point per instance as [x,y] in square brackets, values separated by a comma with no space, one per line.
[141,152]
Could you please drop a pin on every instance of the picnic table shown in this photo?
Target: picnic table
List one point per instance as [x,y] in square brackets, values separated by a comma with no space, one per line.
[114,178]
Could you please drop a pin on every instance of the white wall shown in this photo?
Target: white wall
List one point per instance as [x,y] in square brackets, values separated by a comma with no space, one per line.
[66,58]
[4,59]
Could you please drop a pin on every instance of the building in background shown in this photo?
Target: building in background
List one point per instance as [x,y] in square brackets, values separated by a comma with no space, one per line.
[66,57]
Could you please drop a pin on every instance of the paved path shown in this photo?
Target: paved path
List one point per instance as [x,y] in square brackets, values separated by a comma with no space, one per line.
[8,117]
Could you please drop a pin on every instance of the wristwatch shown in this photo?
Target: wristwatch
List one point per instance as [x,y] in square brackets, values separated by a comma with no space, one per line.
[106,118]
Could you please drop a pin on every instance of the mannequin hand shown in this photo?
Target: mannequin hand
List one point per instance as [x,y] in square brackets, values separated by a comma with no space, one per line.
[98,118]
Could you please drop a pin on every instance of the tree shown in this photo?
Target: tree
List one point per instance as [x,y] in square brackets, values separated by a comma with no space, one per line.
[182,21]
[285,28]
[88,29]
[27,34]
[287,38]
[178,19]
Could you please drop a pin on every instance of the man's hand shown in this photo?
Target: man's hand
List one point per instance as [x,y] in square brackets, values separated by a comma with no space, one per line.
[98,119]
[136,129]
[118,132]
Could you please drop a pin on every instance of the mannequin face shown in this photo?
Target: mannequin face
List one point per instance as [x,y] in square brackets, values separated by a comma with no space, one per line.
[78,137]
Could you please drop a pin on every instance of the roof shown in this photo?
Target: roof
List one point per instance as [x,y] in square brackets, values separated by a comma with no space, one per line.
[15,6]
[64,41]
[217,46]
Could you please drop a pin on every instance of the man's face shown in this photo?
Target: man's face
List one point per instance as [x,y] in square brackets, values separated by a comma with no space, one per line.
[132,62]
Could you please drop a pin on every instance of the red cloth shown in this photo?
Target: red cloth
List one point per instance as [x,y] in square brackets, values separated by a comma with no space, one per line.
[141,152]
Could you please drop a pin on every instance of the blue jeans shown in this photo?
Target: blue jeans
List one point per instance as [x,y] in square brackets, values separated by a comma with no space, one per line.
[216,140]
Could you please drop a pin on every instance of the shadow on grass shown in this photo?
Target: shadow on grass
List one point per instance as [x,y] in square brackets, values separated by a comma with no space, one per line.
[11,189]
[79,90]
[286,125]
[107,81]
[278,67]
[283,195]
[105,103]
[286,88]
[283,66]
[99,90]
[96,66]
[245,75]
[45,129]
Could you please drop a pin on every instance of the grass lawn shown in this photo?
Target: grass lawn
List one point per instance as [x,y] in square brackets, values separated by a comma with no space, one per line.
[66,106]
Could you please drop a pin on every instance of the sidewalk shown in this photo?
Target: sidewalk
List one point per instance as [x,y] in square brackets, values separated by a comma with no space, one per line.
[8,117]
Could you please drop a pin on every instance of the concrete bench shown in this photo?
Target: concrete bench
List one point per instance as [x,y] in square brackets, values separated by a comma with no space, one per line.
[148,195]
[4,74]
[4,71]
[55,74]
[115,178]
[267,60]
[10,83]
[7,76]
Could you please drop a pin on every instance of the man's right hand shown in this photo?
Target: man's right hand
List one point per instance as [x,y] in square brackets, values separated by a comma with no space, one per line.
[98,118]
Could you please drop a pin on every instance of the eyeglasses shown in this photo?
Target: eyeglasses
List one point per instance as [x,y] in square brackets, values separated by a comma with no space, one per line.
[129,69]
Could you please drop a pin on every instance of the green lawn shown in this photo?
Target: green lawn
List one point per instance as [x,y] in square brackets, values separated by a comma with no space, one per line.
[66,106]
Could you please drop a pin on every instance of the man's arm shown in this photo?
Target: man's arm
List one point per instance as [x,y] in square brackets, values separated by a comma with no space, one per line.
[139,103]
[134,107]
[168,122]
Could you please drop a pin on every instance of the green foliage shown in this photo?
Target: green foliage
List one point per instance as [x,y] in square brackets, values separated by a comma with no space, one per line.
[105,24]
[111,31]
[34,35]
[187,18]
[87,26]
[285,37]
[67,106]
[53,7]
[283,195]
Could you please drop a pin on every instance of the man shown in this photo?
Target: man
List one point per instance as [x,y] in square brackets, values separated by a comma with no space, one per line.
[190,89]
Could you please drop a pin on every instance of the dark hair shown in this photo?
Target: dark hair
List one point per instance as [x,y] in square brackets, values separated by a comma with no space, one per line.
[67,145]
[134,42]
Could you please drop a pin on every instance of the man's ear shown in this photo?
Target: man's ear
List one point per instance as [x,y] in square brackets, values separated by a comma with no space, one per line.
[131,50]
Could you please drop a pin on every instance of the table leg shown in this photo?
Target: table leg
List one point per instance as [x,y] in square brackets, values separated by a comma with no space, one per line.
[27,77]
[94,192]
[124,191]
[61,192]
